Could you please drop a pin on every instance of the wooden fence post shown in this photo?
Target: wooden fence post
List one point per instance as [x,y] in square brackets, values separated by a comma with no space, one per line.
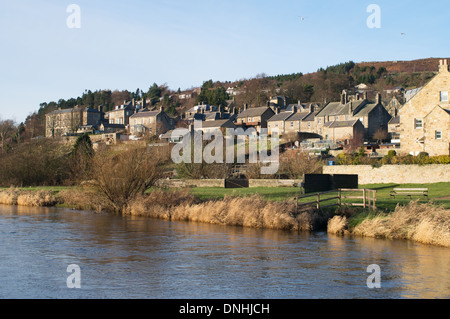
[364,197]
[339,199]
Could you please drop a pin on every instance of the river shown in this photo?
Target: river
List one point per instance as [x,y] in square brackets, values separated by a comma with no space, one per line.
[128,257]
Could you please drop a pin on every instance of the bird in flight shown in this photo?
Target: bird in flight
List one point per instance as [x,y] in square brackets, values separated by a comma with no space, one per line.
[302,18]
[402,33]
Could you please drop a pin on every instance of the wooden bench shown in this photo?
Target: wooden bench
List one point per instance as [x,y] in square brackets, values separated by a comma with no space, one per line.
[409,192]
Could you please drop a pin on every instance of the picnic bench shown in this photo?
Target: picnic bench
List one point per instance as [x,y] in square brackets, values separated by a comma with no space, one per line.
[409,192]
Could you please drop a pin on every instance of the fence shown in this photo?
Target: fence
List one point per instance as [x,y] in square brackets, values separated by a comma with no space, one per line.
[368,198]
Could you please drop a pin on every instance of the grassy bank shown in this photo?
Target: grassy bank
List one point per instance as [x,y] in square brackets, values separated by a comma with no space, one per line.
[397,218]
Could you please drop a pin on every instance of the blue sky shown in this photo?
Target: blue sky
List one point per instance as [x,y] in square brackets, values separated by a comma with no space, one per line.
[133,44]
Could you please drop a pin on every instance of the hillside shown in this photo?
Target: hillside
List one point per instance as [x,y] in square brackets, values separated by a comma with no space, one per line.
[326,83]
[421,65]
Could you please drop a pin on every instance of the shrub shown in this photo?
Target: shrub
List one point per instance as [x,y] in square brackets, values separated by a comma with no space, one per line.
[36,163]
[121,177]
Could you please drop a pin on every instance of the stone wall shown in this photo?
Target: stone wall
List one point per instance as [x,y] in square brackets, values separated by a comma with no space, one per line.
[399,174]
[182,183]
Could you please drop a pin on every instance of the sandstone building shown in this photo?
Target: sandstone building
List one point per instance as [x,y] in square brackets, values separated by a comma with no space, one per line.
[425,118]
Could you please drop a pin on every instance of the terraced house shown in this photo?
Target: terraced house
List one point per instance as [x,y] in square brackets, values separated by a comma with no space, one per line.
[372,115]
[425,118]
[254,117]
[294,119]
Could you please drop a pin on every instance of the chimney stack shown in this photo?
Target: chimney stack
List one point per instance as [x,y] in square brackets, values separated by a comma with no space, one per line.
[378,98]
[294,109]
[443,65]
[344,97]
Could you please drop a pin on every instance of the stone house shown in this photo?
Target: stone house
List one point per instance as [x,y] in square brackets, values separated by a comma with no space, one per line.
[291,121]
[70,121]
[211,126]
[121,113]
[394,106]
[254,117]
[372,115]
[151,122]
[343,131]
[424,119]
[394,129]
[277,123]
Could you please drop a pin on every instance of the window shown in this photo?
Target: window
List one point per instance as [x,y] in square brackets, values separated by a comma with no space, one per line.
[444,96]
[438,135]
[292,124]
[418,124]
[309,124]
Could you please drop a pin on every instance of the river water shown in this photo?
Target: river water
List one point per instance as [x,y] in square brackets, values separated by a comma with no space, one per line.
[127,257]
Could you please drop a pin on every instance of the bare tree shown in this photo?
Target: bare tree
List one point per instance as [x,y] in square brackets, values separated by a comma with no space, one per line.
[121,177]
[380,135]
[7,129]
[50,124]
[75,120]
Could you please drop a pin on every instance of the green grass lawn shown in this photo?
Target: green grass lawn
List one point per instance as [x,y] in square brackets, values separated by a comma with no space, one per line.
[274,194]
[438,193]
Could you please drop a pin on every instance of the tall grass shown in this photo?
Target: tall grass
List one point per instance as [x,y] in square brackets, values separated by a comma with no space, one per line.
[250,211]
[424,223]
[15,196]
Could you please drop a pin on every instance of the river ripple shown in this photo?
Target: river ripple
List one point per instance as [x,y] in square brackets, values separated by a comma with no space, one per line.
[127,257]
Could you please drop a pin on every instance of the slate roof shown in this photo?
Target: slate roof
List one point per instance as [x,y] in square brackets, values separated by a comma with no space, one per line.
[83,109]
[255,111]
[217,123]
[299,116]
[366,109]
[283,116]
[340,124]
[310,117]
[336,108]
[145,114]
[395,120]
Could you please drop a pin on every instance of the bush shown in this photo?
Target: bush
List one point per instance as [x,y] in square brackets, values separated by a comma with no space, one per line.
[36,163]
[119,177]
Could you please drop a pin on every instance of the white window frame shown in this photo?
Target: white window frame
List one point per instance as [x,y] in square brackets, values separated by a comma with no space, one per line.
[442,95]
[438,133]
[416,122]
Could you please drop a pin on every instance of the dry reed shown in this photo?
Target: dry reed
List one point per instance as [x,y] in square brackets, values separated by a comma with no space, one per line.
[337,225]
[252,211]
[9,196]
[424,223]
[15,196]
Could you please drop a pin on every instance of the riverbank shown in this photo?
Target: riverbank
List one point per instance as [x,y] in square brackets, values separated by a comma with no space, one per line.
[427,223]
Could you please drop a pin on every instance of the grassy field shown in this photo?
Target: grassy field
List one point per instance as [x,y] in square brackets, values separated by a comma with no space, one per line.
[438,193]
